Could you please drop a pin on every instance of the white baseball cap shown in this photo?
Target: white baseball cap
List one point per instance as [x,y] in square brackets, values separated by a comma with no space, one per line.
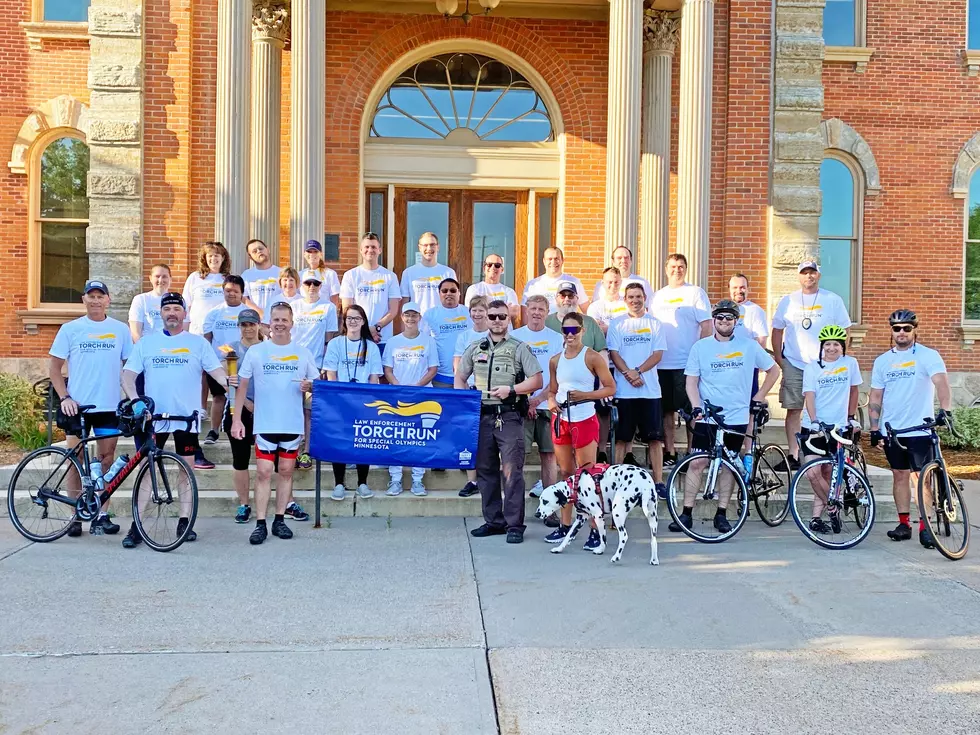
[412,306]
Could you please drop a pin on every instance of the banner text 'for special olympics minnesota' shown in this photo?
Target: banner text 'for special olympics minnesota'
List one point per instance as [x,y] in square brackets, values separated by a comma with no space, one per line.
[362,423]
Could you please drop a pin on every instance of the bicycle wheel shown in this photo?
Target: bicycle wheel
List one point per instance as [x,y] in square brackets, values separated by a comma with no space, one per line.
[770,487]
[58,472]
[157,511]
[838,529]
[945,513]
[691,474]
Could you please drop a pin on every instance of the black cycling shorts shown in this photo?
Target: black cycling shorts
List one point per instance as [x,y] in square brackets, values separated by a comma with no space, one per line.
[241,449]
[704,436]
[673,390]
[185,442]
[917,454]
[98,422]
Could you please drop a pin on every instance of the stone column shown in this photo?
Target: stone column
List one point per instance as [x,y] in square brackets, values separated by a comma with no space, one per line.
[660,32]
[231,129]
[270,27]
[114,239]
[307,128]
[623,123]
[694,138]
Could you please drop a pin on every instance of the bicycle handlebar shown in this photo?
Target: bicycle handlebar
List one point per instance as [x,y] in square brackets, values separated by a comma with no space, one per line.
[831,430]
[928,424]
[188,420]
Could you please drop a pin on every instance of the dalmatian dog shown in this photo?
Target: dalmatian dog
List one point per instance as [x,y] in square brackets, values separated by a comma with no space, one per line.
[620,488]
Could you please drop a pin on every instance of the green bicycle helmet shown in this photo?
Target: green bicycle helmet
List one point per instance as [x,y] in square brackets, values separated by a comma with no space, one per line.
[832,332]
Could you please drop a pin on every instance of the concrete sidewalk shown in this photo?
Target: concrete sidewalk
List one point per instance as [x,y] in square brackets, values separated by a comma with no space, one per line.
[412,626]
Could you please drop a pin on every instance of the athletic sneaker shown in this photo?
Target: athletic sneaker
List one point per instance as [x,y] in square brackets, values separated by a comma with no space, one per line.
[133,538]
[259,534]
[418,489]
[661,490]
[102,525]
[683,518]
[902,532]
[629,458]
[593,542]
[201,462]
[75,529]
[925,538]
[722,525]
[243,514]
[819,525]
[793,462]
[363,491]
[536,491]
[835,524]
[295,511]
[469,489]
[212,437]
[339,492]
[280,529]
[394,488]
[558,535]
[515,536]
[181,525]
[670,459]
[305,462]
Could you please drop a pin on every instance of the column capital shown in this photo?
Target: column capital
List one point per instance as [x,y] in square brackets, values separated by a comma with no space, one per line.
[270,20]
[661,32]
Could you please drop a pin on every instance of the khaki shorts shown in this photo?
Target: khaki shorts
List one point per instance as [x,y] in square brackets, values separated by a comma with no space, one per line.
[791,388]
[539,430]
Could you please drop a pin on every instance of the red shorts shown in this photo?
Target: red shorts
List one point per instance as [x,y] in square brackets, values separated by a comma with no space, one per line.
[577,433]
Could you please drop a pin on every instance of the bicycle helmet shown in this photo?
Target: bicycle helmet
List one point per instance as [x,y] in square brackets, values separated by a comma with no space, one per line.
[833,332]
[725,306]
[903,316]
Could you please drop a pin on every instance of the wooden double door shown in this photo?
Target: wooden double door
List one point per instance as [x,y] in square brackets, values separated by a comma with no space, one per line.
[470,224]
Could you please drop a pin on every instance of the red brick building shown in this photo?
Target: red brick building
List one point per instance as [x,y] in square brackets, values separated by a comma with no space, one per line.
[745,133]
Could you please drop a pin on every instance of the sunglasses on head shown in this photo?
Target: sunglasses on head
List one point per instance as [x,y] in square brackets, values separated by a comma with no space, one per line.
[571,330]
[497,317]
[493,265]
[903,328]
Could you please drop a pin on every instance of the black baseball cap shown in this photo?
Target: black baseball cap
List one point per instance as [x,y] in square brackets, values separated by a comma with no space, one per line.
[95,285]
[172,297]
[249,316]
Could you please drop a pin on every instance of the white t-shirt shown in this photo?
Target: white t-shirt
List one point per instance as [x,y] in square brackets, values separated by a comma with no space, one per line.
[680,312]
[342,357]
[371,290]
[222,323]
[410,359]
[906,378]
[544,345]
[201,295]
[276,371]
[800,345]
[420,284]
[548,287]
[631,278]
[145,309]
[445,326]
[172,366]
[635,339]
[605,312]
[329,283]
[726,370]
[492,292]
[311,322]
[95,352]
[831,387]
[262,288]
[752,321]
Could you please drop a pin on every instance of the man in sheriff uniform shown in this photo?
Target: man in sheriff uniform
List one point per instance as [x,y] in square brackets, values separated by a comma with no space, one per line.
[504,369]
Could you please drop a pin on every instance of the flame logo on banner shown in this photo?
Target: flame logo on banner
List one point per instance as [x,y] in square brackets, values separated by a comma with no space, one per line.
[427,411]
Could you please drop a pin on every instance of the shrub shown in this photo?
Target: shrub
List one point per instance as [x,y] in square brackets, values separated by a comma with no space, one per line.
[21,418]
[967,424]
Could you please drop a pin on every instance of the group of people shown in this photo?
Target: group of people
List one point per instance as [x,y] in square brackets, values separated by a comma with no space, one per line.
[262,337]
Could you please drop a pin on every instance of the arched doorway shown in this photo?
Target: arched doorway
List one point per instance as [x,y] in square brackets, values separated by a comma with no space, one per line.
[464,139]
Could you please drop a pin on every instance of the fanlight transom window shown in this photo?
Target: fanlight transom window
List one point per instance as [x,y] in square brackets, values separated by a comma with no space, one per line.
[462,97]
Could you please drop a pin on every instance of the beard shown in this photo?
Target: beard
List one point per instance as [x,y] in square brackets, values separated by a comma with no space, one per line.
[564,311]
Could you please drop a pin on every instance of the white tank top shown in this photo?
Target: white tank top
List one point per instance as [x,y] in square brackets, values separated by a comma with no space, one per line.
[574,374]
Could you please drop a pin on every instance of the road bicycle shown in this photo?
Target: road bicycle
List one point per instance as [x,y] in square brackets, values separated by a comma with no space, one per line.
[768,485]
[847,499]
[940,496]
[54,486]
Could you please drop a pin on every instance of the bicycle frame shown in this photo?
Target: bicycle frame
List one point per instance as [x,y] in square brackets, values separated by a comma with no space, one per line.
[718,451]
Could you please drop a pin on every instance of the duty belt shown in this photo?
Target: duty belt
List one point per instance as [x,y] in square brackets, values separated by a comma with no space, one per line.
[496,410]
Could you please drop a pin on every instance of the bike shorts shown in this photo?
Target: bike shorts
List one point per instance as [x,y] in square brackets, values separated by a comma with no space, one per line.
[704,436]
[917,454]
[185,442]
[283,446]
[99,423]
[215,388]
[241,449]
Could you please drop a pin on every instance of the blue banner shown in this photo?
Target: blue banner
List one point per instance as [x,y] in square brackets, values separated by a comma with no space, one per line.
[361,423]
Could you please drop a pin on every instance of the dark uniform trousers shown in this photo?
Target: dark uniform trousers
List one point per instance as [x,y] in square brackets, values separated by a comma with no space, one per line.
[500,469]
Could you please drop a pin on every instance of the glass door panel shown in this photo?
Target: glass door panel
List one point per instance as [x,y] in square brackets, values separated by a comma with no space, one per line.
[426,217]
[494,225]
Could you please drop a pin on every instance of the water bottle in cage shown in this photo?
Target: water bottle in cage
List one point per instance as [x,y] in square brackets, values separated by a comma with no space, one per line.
[732,457]
[95,473]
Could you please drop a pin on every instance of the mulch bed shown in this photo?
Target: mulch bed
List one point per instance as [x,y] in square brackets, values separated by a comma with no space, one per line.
[962,463]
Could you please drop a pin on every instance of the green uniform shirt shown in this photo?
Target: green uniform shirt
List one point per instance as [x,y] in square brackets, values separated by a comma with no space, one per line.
[592,337]
[497,365]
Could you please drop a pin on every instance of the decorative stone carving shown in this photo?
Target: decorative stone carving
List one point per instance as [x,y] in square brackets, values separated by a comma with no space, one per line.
[966,162]
[110,21]
[661,32]
[270,19]
[61,112]
[841,136]
[114,76]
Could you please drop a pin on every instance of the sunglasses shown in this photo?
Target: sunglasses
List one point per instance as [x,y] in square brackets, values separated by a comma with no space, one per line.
[495,266]
[724,318]
[370,236]
[571,330]
[497,317]
[449,290]
[903,328]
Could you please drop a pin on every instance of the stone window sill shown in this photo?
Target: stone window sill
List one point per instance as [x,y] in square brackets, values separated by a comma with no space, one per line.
[858,332]
[41,31]
[857,55]
[58,315]
[971,58]
[970,334]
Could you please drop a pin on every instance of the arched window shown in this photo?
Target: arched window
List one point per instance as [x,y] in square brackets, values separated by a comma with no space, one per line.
[59,218]
[462,98]
[840,231]
[971,290]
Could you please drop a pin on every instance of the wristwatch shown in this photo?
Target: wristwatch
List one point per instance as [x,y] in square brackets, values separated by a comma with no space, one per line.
[65,397]
[377,327]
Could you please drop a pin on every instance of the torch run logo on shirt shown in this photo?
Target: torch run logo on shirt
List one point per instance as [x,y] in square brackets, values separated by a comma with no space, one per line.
[172,356]
[900,370]
[284,364]
[727,361]
[640,334]
[837,376]
[406,423]
[97,342]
